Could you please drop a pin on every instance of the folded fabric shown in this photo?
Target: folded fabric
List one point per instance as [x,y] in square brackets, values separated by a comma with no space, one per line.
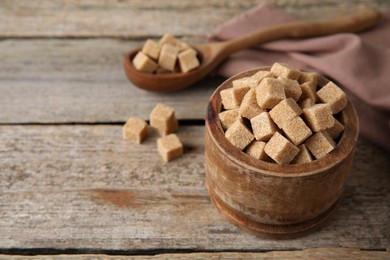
[359,63]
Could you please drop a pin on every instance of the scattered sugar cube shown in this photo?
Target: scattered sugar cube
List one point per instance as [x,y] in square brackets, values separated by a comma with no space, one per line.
[286,110]
[320,144]
[168,56]
[334,96]
[269,93]
[311,78]
[168,38]
[163,119]
[303,155]
[152,49]
[239,135]
[296,130]
[169,147]
[319,117]
[228,117]
[280,149]
[135,130]
[308,91]
[231,98]
[263,127]
[188,60]
[336,130]
[286,71]
[143,63]
[291,88]
[256,150]
[249,107]
[260,75]
[306,103]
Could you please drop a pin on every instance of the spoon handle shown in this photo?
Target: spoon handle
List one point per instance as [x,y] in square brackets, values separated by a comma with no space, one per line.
[363,19]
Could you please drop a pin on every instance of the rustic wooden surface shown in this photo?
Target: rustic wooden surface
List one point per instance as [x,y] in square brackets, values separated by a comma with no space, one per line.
[70,184]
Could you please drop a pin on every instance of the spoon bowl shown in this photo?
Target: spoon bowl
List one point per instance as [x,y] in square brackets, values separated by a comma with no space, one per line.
[213,54]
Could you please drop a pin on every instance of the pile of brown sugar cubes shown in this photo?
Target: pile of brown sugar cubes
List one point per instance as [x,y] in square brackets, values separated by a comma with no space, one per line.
[169,55]
[282,115]
[163,119]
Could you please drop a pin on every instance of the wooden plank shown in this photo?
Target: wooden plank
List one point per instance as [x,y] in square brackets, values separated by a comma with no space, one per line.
[137,18]
[83,187]
[312,253]
[57,81]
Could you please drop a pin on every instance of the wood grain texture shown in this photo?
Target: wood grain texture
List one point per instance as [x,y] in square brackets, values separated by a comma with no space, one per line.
[134,19]
[312,253]
[57,81]
[83,187]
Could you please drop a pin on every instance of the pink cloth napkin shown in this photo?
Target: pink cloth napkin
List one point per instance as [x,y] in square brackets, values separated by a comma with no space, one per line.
[360,63]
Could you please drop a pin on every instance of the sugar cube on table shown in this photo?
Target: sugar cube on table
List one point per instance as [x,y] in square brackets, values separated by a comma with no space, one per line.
[249,107]
[280,149]
[263,127]
[303,155]
[334,96]
[188,60]
[168,56]
[286,71]
[296,130]
[269,93]
[320,144]
[228,117]
[135,130]
[319,117]
[163,119]
[231,98]
[143,63]
[256,150]
[285,111]
[239,135]
[169,147]
[152,49]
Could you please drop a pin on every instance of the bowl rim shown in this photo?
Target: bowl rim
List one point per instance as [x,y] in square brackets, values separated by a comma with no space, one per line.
[344,147]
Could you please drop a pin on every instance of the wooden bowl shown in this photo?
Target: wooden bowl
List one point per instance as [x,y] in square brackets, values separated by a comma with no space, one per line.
[268,199]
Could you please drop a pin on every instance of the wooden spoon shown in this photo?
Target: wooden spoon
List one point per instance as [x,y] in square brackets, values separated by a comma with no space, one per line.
[212,54]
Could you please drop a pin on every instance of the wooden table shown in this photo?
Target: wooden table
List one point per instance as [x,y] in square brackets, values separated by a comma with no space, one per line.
[70,185]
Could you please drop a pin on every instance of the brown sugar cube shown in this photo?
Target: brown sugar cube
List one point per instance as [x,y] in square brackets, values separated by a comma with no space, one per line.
[303,156]
[232,97]
[168,56]
[256,150]
[286,110]
[269,93]
[306,103]
[263,127]
[280,149]
[336,130]
[228,117]
[160,70]
[184,46]
[296,130]
[143,63]
[152,49]
[291,88]
[308,91]
[135,130]
[249,107]
[319,117]
[286,71]
[169,147]
[260,75]
[238,135]
[311,78]
[334,96]
[242,82]
[163,119]
[320,144]
[188,60]
[168,38]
